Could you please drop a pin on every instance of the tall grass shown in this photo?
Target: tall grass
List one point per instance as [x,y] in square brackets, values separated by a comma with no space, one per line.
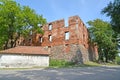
[118,60]
[60,63]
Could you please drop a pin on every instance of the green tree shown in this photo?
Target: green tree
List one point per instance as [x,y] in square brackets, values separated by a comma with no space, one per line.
[16,21]
[113,11]
[102,34]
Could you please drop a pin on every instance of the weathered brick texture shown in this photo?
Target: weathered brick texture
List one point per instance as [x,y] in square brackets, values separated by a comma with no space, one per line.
[75,48]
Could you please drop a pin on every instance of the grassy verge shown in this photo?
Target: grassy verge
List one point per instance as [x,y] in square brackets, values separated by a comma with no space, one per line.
[118,60]
[64,64]
[92,64]
[60,63]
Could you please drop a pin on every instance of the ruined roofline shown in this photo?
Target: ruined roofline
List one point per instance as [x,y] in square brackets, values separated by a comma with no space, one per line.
[63,19]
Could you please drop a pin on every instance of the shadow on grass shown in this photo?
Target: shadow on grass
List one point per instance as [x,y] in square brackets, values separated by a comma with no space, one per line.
[71,65]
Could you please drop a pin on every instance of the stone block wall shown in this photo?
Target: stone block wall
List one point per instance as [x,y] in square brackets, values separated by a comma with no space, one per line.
[71,53]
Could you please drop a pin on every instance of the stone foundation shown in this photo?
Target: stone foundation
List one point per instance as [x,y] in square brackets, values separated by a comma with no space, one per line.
[70,52]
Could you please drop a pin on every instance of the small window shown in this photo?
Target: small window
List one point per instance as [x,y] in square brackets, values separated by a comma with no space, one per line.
[76,23]
[67,35]
[49,46]
[66,23]
[84,45]
[66,44]
[30,40]
[18,42]
[50,27]
[50,38]
[83,35]
[77,26]
[83,24]
[40,39]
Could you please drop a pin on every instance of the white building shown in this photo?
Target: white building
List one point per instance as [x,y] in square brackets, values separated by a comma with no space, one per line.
[24,57]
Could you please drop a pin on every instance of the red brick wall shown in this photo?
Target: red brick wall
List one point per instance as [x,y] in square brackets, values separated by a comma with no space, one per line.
[79,35]
[76,28]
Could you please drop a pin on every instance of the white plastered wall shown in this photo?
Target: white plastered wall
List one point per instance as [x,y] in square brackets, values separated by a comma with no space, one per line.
[19,61]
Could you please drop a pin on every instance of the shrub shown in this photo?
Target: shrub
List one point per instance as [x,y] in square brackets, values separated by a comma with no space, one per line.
[118,60]
[60,63]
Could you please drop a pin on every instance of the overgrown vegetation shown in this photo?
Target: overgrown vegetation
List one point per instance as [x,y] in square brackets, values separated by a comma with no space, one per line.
[107,35]
[60,63]
[113,11]
[17,21]
[102,35]
[118,60]
[63,64]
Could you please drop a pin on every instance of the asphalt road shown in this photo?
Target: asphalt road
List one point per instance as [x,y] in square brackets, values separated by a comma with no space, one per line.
[86,73]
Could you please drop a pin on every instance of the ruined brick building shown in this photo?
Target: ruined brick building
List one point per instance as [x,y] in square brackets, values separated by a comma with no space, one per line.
[68,42]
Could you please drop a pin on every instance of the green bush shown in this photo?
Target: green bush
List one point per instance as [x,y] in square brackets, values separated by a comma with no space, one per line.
[118,60]
[59,63]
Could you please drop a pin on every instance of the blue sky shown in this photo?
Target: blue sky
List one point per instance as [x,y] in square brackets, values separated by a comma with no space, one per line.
[58,9]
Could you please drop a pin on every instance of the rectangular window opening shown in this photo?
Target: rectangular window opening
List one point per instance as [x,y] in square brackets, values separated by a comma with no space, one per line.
[50,38]
[40,39]
[66,23]
[66,44]
[50,27]
[67,35]
[30,40]
[76,26]
[83,24]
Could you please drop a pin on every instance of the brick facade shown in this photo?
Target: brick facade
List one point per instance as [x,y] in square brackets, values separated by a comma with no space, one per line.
[69,42]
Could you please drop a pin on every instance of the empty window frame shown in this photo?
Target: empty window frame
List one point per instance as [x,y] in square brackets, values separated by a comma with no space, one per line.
[40,39]
[50,38]
[50,27]
[30,40]
[83,24]
[66,23]
[77,26]
[67,35]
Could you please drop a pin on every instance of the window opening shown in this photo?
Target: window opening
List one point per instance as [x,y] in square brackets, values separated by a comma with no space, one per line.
[50,27]
[66,22]
[67,35]
[40,39]
[50,38]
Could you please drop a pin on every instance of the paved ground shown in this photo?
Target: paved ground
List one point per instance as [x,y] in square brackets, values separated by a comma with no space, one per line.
[86,73]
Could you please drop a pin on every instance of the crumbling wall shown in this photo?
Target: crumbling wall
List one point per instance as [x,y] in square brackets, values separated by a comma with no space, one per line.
[71,53]
[75,48]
